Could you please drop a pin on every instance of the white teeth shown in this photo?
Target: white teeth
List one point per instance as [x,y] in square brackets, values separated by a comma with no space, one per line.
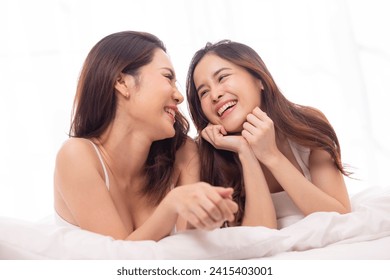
[225,107]
[170,111]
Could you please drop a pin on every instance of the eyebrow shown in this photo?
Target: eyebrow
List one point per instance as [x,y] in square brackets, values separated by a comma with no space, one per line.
[214,75]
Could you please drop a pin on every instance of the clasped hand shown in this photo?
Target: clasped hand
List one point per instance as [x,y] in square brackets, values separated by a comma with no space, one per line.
[204,206]
[258,133]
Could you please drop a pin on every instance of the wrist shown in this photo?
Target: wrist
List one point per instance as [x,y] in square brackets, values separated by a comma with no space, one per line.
[168,203]
[246,153]
[272,160]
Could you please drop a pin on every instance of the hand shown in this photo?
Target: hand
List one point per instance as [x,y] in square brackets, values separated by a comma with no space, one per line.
[204,206]
[217,136]
[259,132]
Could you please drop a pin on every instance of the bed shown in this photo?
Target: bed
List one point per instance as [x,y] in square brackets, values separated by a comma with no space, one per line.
[362,234]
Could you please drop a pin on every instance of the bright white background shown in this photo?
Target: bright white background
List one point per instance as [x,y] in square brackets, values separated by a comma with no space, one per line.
[330,54]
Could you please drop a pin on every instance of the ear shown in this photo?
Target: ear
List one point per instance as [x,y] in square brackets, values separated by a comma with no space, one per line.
[261,85]
[124,84]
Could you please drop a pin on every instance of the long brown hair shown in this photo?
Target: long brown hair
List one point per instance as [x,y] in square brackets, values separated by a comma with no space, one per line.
[304,125]
[95,102]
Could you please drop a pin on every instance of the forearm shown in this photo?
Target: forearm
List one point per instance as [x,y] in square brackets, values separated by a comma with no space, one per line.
[259,208]
[306,195]
[158,225]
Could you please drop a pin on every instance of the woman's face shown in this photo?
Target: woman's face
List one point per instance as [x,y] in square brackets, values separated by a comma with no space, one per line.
[227,92]
[155,97]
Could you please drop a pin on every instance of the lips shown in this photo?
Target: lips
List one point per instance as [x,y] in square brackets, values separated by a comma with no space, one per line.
[225,106]
[171,112]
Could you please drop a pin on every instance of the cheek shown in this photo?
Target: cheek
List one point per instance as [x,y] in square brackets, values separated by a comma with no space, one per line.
[206,109]
[255,97]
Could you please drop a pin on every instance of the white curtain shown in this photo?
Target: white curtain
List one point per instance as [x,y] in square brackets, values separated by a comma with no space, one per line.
[330,54]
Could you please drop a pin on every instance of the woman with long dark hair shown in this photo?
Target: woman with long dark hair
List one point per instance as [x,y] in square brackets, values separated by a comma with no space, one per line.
[129,170]
[255,140]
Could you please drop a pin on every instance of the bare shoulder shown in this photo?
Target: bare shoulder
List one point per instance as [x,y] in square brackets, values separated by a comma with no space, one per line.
[74,149]
[73,144]
[319,157]
[76,156]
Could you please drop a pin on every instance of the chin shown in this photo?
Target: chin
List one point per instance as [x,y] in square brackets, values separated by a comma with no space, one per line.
[234,130]
[233,127]
[170,133]
[164,133]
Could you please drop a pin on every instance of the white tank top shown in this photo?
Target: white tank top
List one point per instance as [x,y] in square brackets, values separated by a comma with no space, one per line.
[106,178]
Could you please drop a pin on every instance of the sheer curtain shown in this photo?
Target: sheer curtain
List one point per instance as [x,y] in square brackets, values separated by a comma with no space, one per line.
[330,54]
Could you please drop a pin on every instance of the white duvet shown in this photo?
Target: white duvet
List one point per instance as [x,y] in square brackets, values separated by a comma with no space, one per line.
[368,224]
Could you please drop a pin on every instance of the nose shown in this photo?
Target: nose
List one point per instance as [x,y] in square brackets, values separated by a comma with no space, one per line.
[216,95]
[178,97]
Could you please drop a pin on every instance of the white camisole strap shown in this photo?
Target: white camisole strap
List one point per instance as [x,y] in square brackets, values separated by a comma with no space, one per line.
[302,156]
[106,178]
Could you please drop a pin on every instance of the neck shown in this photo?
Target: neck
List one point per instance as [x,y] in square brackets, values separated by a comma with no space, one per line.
[125,152]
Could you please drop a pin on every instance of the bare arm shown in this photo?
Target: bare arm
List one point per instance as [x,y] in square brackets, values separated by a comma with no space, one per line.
[259,208]
[200,204]
[82,197]
[326,192]
[188,165]
[87,203]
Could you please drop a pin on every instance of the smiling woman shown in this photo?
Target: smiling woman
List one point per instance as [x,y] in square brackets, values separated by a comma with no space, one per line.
[253,138]
[118,173]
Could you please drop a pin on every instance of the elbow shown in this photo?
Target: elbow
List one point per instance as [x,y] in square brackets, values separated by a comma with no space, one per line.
[341,209]
[346,210]
[273,225]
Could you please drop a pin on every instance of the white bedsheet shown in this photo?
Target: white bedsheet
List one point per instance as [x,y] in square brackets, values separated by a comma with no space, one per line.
[362,234]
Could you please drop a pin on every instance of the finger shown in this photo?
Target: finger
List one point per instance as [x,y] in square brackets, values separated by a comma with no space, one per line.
[247,136]
[194,220]
[204,215]
[208,135]
[259,119]
[260,113]
[233,206]
[250,128]
[223,130]
[218,130]
[218,137]
[211,132]
[253,119]
[222,205]
[224,192]
[211,209]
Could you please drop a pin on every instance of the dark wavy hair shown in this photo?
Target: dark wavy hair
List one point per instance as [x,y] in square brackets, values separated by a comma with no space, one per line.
[95,102]
[304,125]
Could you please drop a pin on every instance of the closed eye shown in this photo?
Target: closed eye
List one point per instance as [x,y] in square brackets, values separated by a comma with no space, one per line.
[169,77]
[220,78]
[203,93]
[169,74]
